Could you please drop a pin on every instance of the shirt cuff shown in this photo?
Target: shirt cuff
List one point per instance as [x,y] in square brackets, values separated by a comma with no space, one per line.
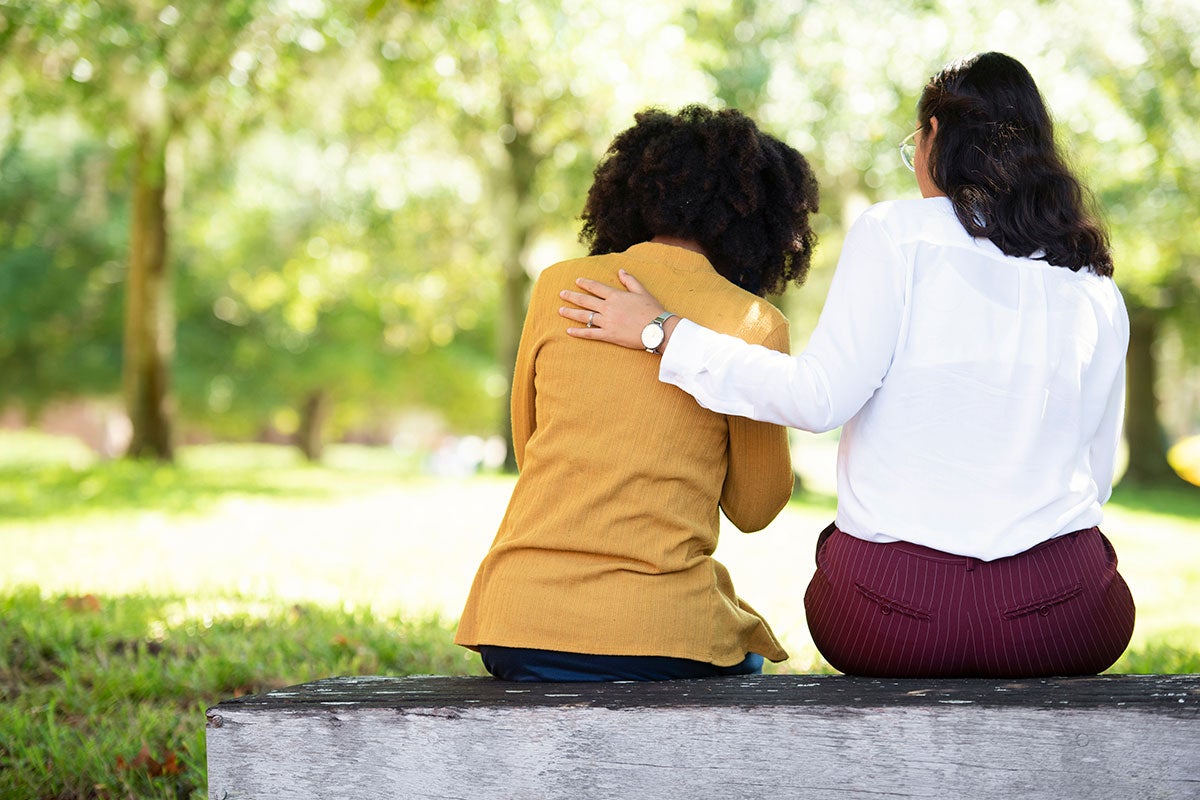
[684,355]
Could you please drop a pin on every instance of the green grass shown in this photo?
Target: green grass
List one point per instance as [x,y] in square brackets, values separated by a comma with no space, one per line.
[1179,501]
[133,596]
[104,697]
[42,477]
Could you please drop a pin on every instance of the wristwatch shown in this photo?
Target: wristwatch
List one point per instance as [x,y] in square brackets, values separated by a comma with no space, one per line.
[653,334]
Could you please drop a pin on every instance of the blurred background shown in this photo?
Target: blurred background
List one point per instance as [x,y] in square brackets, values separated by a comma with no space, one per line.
[263,268]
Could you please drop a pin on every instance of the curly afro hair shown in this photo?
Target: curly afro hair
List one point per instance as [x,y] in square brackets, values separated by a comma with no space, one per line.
[714,178]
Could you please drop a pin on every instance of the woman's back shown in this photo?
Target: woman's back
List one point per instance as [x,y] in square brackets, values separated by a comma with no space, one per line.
[1004,369]
[606,546]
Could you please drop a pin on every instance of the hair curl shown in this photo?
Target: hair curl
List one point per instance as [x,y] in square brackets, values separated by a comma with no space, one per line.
[714,178]
[995,157]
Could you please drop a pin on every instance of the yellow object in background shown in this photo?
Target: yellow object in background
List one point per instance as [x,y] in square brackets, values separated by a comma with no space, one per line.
[1184,458]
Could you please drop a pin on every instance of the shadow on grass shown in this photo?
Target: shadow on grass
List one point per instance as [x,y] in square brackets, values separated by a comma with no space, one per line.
[31,492]
[1179,499]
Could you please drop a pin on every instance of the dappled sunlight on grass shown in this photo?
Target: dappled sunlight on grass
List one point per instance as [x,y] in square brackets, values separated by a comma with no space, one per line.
[26,448]
[262,525]
[413,545]
[1180,501]
[123,486]
[1159,555]
[44,477]
[159,590]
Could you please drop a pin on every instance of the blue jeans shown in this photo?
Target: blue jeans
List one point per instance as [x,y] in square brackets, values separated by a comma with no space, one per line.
[521,664]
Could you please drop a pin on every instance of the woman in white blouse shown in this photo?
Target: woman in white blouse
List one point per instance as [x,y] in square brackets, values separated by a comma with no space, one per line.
[972,347]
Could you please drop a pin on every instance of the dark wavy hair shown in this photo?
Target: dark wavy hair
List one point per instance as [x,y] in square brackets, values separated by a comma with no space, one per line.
[995,156]
[714,178]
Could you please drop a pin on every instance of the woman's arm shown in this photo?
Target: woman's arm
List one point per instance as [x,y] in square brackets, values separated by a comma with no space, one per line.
[523,407]
[1102,452]
[758,478]
[848,355]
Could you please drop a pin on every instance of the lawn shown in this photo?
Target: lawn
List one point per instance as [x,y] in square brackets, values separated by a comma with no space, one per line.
[133,596]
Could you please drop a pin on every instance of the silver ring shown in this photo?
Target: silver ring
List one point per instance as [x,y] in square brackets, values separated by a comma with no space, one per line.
[591,317]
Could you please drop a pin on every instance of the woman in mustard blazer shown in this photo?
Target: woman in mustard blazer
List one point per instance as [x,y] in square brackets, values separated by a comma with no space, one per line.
[603,566]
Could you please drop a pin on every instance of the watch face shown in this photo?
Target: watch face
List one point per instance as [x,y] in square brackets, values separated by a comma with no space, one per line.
[652,336]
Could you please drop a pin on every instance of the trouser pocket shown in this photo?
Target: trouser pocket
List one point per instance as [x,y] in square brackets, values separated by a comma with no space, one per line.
[889,606]
[1043,605]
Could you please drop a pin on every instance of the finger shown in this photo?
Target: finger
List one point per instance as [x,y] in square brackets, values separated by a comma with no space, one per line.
[578,315]
[601,290]
[582,300]
[590,333]
[631,283]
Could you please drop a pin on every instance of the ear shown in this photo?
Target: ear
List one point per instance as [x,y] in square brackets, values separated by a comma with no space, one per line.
[933,126]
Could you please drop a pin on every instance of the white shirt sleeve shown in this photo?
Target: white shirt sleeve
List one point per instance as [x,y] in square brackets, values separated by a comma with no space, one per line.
[1102,453]
[847,357]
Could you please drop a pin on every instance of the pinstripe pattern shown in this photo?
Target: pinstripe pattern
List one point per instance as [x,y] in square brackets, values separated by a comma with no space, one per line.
[903,610]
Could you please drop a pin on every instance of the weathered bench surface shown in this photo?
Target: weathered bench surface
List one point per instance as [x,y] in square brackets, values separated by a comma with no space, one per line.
[1120,736]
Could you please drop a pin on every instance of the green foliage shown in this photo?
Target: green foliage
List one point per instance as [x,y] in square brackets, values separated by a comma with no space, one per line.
[61,235]
[321,292]
[105,696]
[361,192]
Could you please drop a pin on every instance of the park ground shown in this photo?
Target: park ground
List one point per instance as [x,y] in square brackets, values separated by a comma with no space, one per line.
[133,596]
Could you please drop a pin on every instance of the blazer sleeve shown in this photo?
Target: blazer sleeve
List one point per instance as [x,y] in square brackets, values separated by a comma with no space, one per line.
[758,478]
[523,404]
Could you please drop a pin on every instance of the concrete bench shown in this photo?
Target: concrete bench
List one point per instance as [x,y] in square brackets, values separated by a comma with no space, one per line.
[1133,737]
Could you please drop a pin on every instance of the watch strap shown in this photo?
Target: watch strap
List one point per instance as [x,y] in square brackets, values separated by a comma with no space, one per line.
[659,320]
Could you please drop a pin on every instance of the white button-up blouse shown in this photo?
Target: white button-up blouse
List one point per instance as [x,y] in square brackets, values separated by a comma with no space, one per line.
[981,394]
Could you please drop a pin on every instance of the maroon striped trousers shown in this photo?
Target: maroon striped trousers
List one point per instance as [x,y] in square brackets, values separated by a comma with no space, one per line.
[903,610]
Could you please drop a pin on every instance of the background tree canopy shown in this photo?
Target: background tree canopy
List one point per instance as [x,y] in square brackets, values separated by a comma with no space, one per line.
[311,219]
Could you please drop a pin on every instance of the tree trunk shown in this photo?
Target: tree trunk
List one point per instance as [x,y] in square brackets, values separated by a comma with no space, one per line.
[149,317]
[310,435]
[1143,430]
[518,217]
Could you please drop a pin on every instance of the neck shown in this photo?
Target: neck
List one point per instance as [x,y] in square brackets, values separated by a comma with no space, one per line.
[675,241]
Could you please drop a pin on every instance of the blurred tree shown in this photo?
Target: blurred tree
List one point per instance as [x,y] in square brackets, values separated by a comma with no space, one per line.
[735,42]
[530,93]
[146,76]
[368,197]
[310,299]
[842,90]
[1149,185]
[61,238]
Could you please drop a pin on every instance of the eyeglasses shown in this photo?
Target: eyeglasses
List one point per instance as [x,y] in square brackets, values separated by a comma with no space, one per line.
[908,151]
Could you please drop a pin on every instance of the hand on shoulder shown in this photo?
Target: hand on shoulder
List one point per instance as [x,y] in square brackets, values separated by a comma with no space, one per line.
[614,315]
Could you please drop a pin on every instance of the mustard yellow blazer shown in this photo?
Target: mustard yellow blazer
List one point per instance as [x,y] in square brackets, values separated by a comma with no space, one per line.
[607,545]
